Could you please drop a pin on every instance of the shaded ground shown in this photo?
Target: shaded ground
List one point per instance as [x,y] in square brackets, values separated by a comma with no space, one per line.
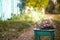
[28,34]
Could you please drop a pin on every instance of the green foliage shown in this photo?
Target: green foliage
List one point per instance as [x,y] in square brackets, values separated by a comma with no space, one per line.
[21,5]
[0,18]
[26,18]
[58,1]
[50,7]
[37,3]
[13,16]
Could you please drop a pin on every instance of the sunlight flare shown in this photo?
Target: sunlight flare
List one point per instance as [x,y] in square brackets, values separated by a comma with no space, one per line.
[34,13]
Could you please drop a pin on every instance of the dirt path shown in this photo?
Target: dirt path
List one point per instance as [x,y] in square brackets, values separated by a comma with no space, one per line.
[27,35]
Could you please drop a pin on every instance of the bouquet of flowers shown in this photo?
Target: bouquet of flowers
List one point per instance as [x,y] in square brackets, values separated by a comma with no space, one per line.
[46,24]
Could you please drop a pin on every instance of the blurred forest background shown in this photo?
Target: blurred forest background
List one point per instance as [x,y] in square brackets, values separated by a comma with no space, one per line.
[30,12]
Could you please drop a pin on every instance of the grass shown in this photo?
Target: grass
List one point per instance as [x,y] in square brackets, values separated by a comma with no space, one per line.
[12,29]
